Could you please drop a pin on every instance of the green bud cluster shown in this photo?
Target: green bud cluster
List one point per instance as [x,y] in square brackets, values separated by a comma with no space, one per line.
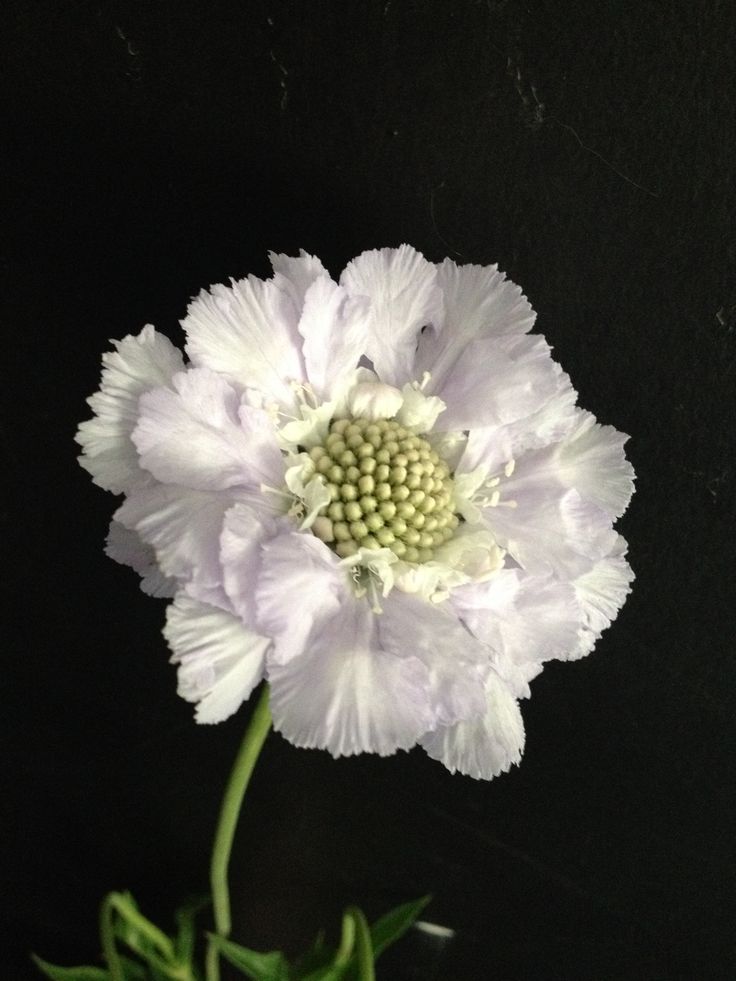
[388,489]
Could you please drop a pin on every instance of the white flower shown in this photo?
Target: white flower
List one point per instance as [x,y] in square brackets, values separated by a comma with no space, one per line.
[377,494]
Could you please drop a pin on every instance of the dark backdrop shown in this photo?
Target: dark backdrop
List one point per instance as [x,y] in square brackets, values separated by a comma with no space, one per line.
[152,148]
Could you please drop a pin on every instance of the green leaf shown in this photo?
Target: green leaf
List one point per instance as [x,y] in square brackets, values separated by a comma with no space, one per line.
[328,973]
[312,965]
[256,966]
[395,923]
[133,971]
[186,933]
[57,973]
[364,957]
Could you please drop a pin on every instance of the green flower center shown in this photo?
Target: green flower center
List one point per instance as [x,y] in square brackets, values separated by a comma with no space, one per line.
[388,489]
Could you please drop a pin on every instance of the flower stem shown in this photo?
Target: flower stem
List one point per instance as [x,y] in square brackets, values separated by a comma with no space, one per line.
[253,741]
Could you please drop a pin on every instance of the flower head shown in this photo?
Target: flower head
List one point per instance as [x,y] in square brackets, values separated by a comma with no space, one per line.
[377,493]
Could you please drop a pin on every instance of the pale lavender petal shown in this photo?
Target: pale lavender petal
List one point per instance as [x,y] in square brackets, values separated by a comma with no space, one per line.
[402,288]
[479,303]
[334,327]
[248,332]
[484,747]
[592,461]
[296,274]
[494,446]
[219,660]
[182,526]
[458,665]
[127,548]
[497,381]
[139,363]
[347,695]
[200,436]
[551,531]
[524,619]
[300,585]
[245,530]
[602,592]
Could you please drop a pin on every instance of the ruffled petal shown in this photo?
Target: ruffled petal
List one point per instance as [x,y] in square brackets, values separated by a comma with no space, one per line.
[479,303]
[244,531]
[457,664]
[553,420]
[549,529]
[334,327]
[220,661]
[300,584]
[602,592]
[494,382]
[183,527]
[295,274]
[127,548]
[486,746]
[248,332]
[524,619]
[347,695]
[200,436]
[139,363]
[402,287]
[592,461]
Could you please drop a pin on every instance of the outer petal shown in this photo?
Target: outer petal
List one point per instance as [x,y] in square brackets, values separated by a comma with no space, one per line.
[334,327]
[296,273]
[484,747]
[479,303]
[244,531]
[301,584]
[602,592]
[125,546]
[549,529]
[551,422]
[458,665]
[347,695]
[404,296]
[220,661]
[592,461]
[524,619]
[494,382]
[248,332]
[138,363]
[183,526]
[200,436]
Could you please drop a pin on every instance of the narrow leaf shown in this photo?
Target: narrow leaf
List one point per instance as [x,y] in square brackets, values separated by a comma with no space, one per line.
[395,923]
[254,965]
[57,973]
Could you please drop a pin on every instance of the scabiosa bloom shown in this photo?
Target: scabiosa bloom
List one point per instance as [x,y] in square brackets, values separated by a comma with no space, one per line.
[378,494]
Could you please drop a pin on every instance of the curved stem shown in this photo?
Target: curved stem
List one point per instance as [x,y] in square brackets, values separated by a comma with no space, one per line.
[250,748]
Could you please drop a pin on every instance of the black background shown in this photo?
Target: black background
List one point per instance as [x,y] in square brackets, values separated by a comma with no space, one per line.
[153,148]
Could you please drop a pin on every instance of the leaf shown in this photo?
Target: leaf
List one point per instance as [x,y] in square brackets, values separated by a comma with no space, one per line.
[394,924]
[57,973]
[328,973]
[312,965]
[186,934]
[133,970]
[256,966]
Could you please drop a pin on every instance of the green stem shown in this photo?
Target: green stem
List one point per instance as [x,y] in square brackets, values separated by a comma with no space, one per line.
[253,741]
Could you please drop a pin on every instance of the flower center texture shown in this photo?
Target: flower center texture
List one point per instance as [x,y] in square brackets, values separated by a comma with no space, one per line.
[388,489]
